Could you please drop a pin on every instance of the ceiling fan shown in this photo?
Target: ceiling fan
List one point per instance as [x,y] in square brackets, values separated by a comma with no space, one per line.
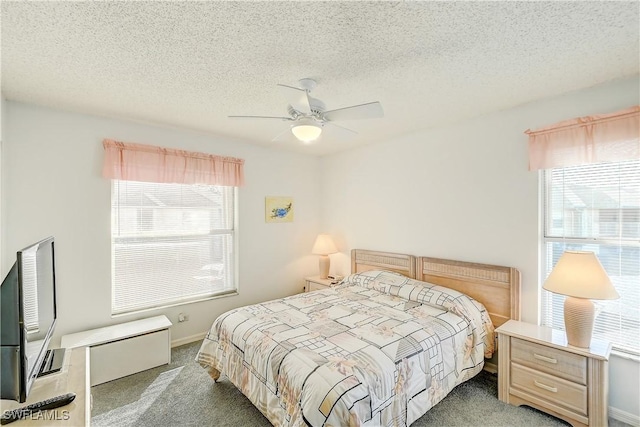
[309,117]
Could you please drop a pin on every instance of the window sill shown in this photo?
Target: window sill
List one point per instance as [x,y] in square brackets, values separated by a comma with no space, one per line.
[176,304]
[627,356]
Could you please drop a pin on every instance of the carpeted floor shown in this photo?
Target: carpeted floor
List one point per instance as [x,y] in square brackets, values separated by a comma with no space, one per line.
[183,394]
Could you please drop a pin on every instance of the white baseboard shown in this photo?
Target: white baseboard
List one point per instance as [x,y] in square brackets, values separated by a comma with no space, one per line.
[625,417]
[492,368]
[187,340]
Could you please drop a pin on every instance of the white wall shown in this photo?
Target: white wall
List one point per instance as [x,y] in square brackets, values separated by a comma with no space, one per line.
[52,185]
[463,192]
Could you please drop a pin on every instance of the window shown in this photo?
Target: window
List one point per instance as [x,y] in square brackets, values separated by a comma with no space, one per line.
[596,208]
[173,224]
[170,243]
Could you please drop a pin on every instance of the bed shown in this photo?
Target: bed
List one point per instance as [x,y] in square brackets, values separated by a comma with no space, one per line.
[380,348]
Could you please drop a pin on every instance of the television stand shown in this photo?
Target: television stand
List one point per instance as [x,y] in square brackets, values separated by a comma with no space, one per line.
[52,362]
[72,378]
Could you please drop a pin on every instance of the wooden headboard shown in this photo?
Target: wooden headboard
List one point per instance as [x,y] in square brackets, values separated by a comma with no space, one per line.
[363,260]
[496,287]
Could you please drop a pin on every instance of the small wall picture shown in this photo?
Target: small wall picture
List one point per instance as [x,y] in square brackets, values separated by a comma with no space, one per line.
[278,209]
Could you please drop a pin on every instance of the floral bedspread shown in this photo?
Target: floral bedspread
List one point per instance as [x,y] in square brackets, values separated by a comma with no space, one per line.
[377,349]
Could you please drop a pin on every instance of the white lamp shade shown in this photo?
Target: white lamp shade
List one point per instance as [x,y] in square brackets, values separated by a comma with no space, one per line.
[580,275]
[306,131]
[324,245]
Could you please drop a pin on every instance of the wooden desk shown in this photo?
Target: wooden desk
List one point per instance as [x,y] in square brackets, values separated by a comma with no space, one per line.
[73,377]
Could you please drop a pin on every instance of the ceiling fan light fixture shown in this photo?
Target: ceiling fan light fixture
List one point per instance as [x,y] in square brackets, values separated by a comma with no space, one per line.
[306,131]
[308,116]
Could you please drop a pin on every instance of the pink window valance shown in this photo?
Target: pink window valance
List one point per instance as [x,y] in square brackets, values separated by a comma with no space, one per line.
[139,162]
[610,137]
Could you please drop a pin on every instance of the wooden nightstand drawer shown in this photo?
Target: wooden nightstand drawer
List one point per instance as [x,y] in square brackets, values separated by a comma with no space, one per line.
[572,367]
[555,390]
[539,369]
[313,286]
[315,283]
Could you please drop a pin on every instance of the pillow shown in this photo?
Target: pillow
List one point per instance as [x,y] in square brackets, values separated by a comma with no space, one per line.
[396,284]
[380,280]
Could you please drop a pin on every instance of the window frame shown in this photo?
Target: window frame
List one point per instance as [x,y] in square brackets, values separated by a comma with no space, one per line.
[233,268]
[546,237]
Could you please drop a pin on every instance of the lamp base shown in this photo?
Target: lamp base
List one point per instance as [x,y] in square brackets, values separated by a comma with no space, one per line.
[324,266]
[579,314]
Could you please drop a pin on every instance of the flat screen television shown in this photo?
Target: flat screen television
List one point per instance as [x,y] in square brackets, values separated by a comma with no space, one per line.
[28,317]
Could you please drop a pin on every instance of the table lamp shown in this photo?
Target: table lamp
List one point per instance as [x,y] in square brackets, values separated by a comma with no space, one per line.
[323,247]
[579,276]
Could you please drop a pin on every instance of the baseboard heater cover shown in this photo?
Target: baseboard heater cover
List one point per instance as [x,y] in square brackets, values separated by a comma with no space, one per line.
[124,349]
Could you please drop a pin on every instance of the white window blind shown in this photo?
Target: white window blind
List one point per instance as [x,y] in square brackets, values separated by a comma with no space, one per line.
[597,208]
[171,243]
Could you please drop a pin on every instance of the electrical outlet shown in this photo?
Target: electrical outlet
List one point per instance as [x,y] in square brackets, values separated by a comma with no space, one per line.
[183,317]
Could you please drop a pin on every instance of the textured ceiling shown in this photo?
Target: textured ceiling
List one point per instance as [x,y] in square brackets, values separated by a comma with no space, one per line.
[191,64]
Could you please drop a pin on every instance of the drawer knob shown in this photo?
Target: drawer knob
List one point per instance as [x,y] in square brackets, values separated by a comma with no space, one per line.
[545,358]
[546,387]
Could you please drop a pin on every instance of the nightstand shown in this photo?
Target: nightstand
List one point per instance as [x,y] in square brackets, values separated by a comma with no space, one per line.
[315,283]
[539,369]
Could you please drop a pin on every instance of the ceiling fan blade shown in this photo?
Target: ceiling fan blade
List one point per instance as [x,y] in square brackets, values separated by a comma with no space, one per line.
[332,130]
[298,98]
[261,117]
[371,110]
